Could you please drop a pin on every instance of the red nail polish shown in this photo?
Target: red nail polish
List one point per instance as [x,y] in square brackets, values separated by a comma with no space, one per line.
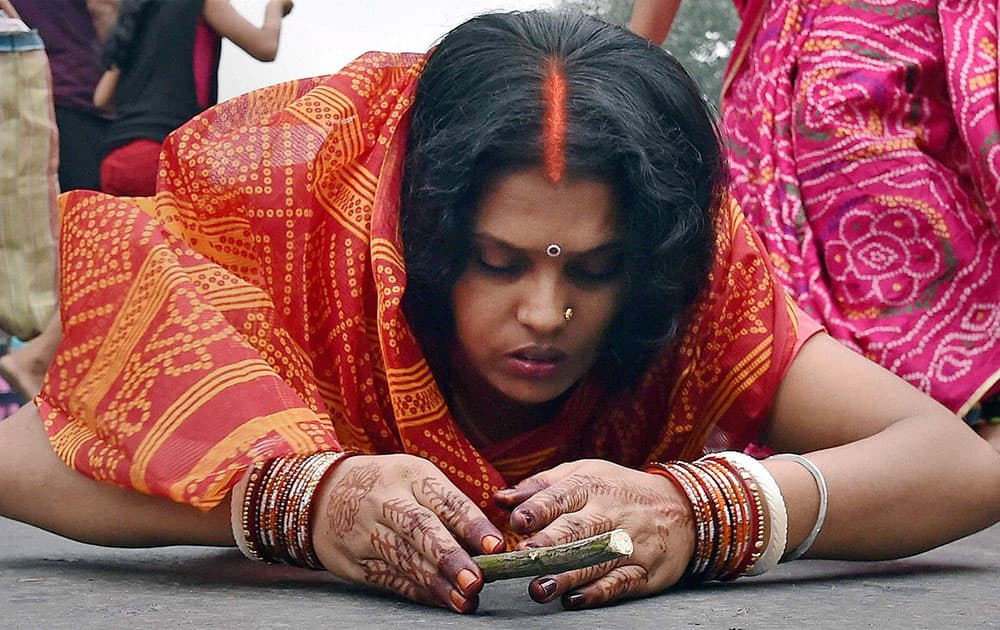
[465,579]
[457,601]
[573,601]
[492,544]
[548,586]
[527,518]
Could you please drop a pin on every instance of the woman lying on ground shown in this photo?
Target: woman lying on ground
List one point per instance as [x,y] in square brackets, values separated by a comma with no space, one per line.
[429,308]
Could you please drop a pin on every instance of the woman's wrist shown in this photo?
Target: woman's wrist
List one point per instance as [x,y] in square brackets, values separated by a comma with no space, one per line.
[739,515]
[821,487]
[275,11]
[272,507]
[236,505]
[775,513]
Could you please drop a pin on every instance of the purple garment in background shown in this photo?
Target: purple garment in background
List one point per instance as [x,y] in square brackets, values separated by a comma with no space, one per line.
[71,43]
[9,400]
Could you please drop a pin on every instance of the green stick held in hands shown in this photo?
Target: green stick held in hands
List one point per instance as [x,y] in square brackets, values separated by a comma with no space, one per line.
[573,555]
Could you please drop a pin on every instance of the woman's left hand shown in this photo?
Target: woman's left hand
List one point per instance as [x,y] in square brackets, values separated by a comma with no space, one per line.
[590,497]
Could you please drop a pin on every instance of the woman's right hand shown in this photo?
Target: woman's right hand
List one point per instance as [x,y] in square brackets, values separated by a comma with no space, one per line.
[396,522]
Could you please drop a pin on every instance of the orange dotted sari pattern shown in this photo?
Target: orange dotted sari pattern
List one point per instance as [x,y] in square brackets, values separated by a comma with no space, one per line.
[252,309]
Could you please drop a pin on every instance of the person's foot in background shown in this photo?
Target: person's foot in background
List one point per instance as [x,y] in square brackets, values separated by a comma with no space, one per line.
[10,401]
[24,368]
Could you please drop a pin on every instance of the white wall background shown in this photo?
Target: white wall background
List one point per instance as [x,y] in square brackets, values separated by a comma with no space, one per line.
[321,36]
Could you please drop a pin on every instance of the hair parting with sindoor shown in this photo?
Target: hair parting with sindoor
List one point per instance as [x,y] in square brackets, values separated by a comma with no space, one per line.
[629,115]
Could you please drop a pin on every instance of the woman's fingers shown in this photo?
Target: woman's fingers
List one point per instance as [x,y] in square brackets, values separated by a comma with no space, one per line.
[398,523]
[446,526]
[590,497]
[544,506]
[619,583]
[568,528]
[510,497]
[547,588]
[421,528]
[386,576]
[442,523]
[396,564]
[459,514]
[591,587]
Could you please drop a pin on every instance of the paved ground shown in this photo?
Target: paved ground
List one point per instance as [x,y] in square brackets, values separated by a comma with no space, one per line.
[47,582]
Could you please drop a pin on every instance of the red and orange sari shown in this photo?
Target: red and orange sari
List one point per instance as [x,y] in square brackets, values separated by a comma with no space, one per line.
[252,309]
[865,147]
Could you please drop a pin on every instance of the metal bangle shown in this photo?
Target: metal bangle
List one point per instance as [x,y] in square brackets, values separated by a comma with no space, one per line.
[824,498]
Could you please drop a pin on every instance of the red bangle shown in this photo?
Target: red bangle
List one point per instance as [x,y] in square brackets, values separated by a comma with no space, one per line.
[276,516]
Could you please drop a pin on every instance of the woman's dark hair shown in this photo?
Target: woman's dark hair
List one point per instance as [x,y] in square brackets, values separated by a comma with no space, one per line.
[121,42]
[634,119]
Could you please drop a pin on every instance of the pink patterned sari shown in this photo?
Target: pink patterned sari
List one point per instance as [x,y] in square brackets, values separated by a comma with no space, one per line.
[865,146]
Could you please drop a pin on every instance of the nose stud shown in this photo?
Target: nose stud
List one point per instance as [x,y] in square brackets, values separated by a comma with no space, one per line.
[568,313]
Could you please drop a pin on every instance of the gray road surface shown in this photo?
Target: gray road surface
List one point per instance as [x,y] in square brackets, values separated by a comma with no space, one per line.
[48,582]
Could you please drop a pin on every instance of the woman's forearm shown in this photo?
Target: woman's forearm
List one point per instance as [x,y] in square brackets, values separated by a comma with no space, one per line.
[895,493]
[104,91]
[260,43]
[36,487]
[904,474]
[652,19]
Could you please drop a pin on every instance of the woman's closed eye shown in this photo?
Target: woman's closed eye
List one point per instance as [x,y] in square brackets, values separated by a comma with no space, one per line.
[591,269]
[594,268]
[499,264]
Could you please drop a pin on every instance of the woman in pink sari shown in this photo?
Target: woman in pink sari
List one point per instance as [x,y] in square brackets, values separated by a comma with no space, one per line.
[863,142]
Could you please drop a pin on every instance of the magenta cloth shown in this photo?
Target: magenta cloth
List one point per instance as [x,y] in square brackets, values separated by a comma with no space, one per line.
[9,400]
[865,149]
[207,53]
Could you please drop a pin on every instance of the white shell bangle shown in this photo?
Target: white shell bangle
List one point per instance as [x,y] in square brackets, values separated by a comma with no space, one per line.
[778,537]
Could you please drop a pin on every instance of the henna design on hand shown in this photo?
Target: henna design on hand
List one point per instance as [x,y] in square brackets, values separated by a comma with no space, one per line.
[445,501]
[417,523]
[383,575]
[623,581]
[675,519]
[380,573]
[575,527]
[577,489]
[345,503]
[591,573]
[594,524]
[397,553]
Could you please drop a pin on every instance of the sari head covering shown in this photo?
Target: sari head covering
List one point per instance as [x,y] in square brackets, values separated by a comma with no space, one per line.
[251,309]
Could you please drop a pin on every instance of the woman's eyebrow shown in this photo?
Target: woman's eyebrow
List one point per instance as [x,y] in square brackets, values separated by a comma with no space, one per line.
[485,238]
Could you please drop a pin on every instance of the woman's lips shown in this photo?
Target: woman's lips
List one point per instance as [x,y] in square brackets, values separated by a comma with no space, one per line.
[534,362]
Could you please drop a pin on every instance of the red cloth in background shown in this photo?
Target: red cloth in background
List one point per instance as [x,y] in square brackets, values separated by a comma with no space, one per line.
[131,169]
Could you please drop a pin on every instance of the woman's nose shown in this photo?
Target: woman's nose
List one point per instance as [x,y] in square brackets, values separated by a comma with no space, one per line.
[543,306]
